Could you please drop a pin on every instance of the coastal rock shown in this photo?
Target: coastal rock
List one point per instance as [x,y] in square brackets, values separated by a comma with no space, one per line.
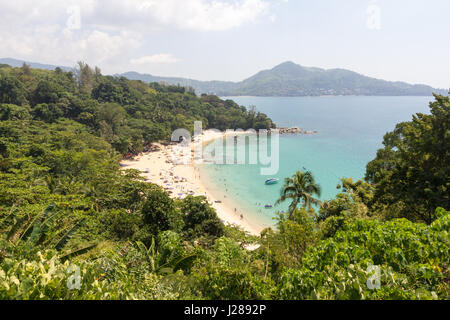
[294,130]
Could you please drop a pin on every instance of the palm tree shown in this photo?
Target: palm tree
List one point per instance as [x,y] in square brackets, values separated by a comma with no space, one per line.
[300,188]
[36,231]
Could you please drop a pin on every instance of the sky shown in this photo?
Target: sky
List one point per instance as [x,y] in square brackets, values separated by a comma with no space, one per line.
[396,40]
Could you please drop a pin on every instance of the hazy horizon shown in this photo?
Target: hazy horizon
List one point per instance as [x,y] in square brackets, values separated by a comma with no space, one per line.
[233,40]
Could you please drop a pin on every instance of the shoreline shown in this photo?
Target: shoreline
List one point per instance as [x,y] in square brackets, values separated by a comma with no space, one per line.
[181,180]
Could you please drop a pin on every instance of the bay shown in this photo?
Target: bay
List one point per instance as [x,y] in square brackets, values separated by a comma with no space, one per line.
[350,131]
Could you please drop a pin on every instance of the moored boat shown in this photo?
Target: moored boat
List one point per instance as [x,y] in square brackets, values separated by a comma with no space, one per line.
[272,181]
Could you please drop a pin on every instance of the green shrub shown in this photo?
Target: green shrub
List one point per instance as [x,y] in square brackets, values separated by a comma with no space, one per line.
[160,213]
[413,259]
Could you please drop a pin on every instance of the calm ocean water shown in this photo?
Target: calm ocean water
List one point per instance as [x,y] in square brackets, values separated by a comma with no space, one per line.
[351,130]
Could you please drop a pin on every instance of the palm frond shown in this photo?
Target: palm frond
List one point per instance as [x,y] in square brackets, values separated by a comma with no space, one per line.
[149,253]
[78,252]
[66,238]
[34,228]
[11,214]
[15,228]
[300,188]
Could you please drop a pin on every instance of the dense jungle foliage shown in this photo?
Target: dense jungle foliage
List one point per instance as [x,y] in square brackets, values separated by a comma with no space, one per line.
[75,226]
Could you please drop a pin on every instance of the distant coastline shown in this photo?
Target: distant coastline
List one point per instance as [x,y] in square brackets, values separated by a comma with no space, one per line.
[287,79]
[292,80]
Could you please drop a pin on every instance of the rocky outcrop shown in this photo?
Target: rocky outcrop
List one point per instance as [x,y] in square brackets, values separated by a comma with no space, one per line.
[294,130]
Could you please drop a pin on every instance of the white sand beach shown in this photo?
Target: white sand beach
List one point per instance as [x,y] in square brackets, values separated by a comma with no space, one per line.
[180,180]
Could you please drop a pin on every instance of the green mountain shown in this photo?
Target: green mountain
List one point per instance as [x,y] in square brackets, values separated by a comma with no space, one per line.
[286,79]
[218,87]
[18,63]
[290,79]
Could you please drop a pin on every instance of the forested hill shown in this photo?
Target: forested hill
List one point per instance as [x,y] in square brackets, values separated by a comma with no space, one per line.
[128,114]
[74,225]
[209,87]
[290,79]
[18,63]
[286,79]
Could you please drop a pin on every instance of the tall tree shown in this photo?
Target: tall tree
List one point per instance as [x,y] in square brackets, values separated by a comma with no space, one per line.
[300,189]
[26,69]
[412,171]
[85,77]
[12,90]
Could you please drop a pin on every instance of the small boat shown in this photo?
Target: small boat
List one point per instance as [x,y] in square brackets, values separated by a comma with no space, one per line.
[272,181]
[268,206]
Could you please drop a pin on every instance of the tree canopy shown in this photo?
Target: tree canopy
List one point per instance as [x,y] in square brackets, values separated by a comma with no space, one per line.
[412,170]
[67,208]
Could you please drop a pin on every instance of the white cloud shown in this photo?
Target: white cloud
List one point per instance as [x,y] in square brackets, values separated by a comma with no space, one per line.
[109,32]
[156,59]
[204,15]
[200,15]
[207,16]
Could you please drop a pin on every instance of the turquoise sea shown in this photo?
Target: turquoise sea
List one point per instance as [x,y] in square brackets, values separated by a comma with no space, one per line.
[350,131]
